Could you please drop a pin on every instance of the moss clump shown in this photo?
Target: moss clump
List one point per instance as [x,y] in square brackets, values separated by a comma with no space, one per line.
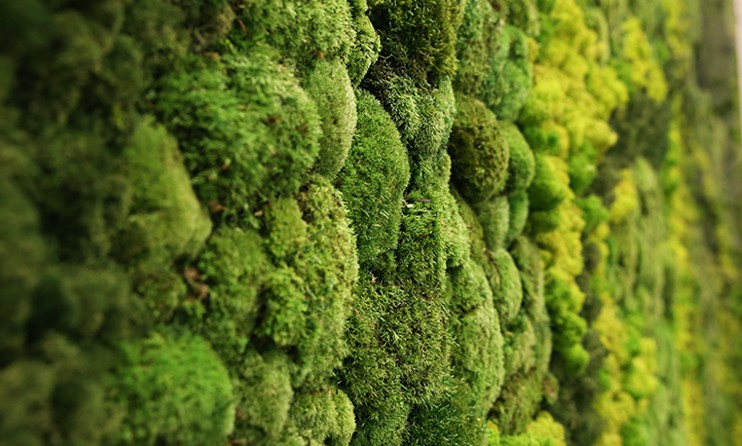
[477,48]
[522,165]
[228,274]
[372,183]
[509,89]
[166,222]
[328,84]
[509,295]
[478,150]
[417,38]
[494,216]
[175,390]
[328,267]
[264,395]
[241,155]
[324,416]
[550,185]
[519,206]
[366,46]
[305,31]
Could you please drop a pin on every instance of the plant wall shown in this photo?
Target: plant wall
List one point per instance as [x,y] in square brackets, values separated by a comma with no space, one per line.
[369,222]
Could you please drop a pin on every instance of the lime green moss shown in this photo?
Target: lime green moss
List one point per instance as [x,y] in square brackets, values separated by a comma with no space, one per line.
[372,183]
[478,150]
[329,85]
[239,156]
[322,417]
[175,391]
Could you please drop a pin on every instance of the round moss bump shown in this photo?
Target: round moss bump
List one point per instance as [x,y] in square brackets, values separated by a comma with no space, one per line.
[510,294]
[518,215]
[373,182]
[263,387]
[226,283]
[240,155]
[511,75]
[494,216]
[478,151]
[328,267]
[287,231]
[174,387]
[323,416]
[304,30]
[285,307]
[419,38]
[367,45]
[166,220]
[329,85]
[522,166]
[550,185]
[478,39]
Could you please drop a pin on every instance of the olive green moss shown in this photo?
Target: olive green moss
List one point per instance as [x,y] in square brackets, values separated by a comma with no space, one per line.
[329,85]
[510,87]
[509,296]
[478,150]
[372,183]
[175,390]
[419,38]
[519,215]
[477,48]
[237,155]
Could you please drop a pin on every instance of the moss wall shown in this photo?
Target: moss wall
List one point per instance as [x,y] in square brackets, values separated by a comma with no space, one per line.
[366,222]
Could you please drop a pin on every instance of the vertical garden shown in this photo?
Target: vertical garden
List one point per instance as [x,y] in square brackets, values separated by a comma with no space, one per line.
[370,222]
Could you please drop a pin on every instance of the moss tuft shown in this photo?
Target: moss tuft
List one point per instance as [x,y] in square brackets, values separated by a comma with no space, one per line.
[522,165]
[478,150]
[240,155]
[509,296]
[328,84]
[494,216]
[372,183]
[175,390]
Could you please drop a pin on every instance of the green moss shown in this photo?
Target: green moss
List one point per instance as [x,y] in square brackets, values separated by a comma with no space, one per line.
[228,274]
[549,187]
[264,395]
[287,231]
[176,391]
[305,31]
[522,165]
[328,84]
[370,375]
[329,268]
[166,221]
[510,76]
[478,151]
[417,38]
[519,206]
[372,183]
[323,417]
[284,314]
[239,156]
[494,216]
[366,46]
[524,14]
[509,295]
[476,49]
